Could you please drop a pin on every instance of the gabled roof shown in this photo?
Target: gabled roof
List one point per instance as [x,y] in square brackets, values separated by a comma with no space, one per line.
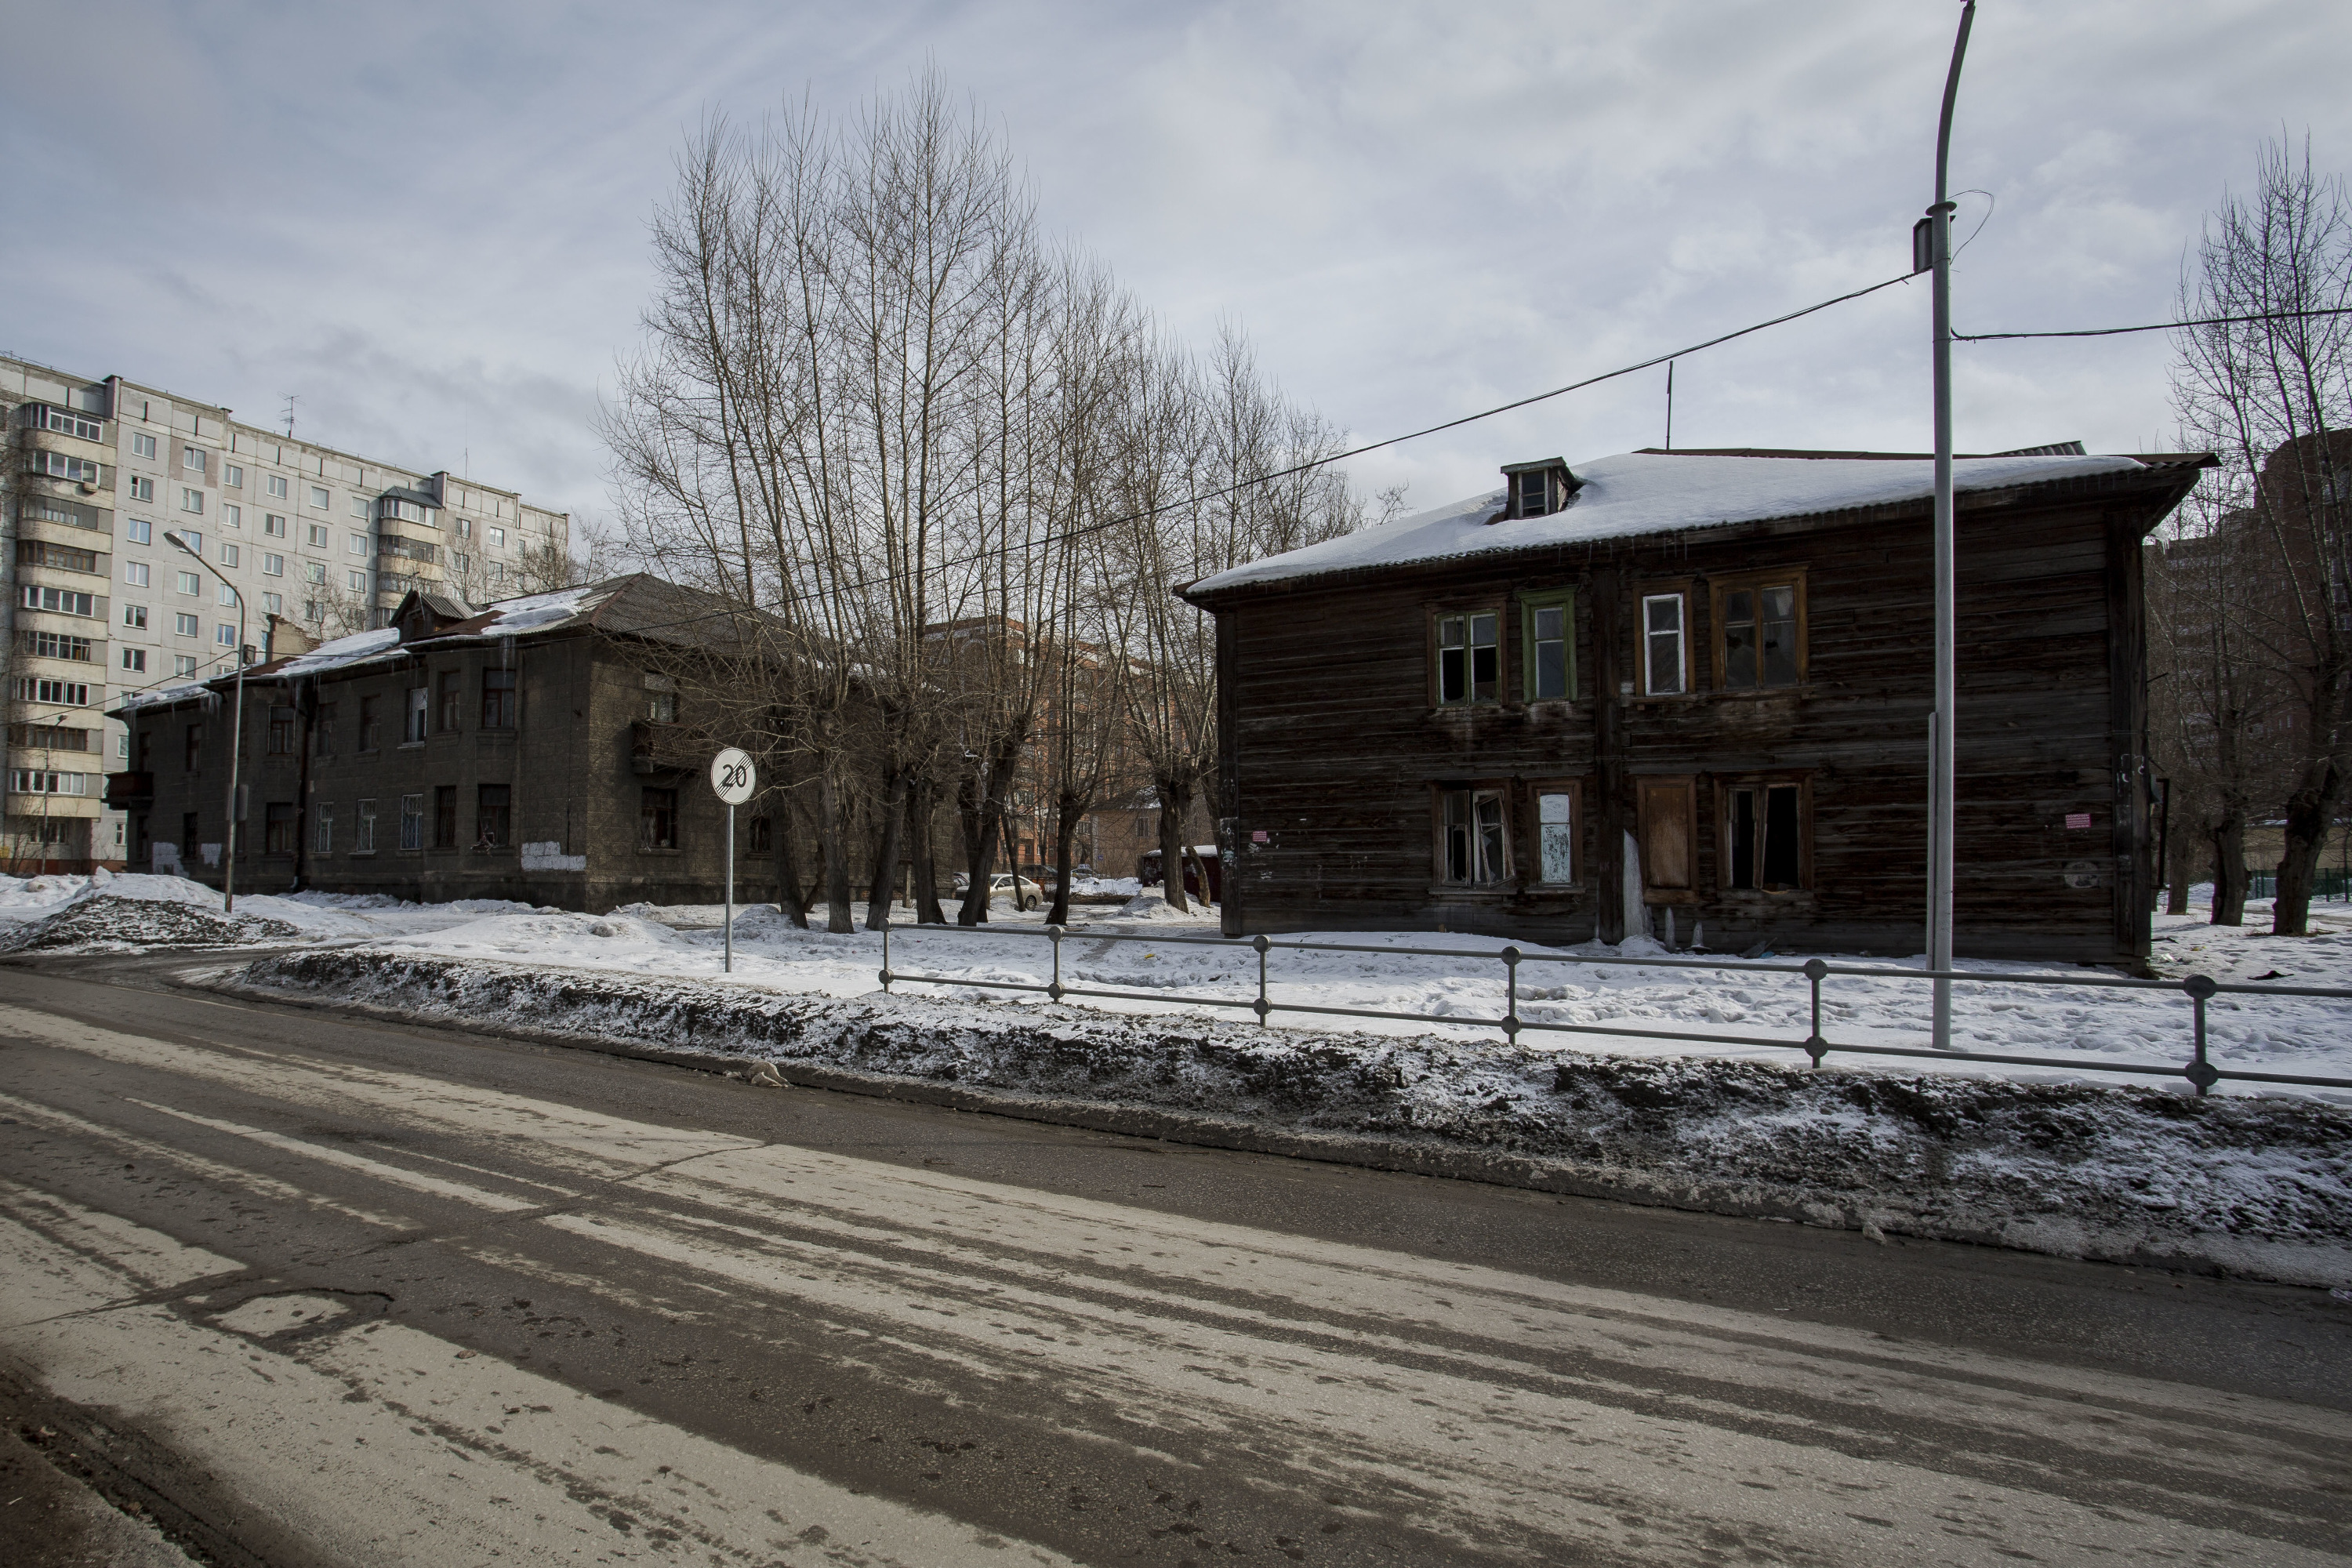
[633,605]
[1635,494]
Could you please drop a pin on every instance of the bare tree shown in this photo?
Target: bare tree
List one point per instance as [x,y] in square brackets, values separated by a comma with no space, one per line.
[2270,389]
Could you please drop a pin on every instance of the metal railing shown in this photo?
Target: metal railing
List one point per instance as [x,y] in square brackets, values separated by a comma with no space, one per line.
[2329,885]
[2199,989]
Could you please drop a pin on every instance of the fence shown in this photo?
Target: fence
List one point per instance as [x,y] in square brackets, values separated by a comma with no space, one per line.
[2328,885]
[2198,989]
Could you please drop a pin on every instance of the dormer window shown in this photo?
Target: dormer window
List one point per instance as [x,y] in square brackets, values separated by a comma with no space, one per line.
[1537,489]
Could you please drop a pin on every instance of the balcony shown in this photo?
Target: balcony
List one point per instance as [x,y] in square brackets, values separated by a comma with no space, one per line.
[126,792]
[661,749]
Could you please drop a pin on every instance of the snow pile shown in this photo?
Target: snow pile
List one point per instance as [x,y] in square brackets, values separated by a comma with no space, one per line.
[2258,1185]
[104,922]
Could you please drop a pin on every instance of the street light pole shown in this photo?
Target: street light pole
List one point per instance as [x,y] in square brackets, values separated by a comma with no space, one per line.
[235,728]
[1940,772]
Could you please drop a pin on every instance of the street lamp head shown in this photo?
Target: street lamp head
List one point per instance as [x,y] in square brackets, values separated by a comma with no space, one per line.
[171,537]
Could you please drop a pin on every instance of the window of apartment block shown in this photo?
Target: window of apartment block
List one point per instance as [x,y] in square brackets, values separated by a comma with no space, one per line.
[491,804]
[281,731]
[187,625]
[183,664]
[498,538]
[1548,638]
[136,573]
[1765,828]
[143,490]
[1666,661]
[194,753]
[71,693]
[275,484]
[57,644]
[57,557]
[137,531]
[188,583]
[657,819]
[143,445]
[497,699]
[1556,818]
[498,573]
[418,714]
[191,499]
[1666,832]
[459,561]
[364,828]
[1760,639]
[314,572]
[231,516]
[225,594]
[371,725]
[1472,846]
[359,506]
[358,581]
[661,697]
[1469,663]
[323,828]
[281,823]
[412,822]
[228,554]
[465,528]
[225,634]
[320,497]
[451,705]
[444,816]
[275,604]
[273,525]
[359,544]
[135,616]
[193,459]
[232,476]
[273,565]
[322,731]
[55,601]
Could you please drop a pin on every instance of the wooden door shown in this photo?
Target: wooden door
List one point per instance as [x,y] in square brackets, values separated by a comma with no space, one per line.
[1668,836]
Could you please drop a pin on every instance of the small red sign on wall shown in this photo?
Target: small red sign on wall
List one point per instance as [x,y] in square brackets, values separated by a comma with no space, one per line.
[2078,819]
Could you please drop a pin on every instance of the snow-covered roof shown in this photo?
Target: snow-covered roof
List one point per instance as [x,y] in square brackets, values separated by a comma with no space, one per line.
[1637,493]
[636,604]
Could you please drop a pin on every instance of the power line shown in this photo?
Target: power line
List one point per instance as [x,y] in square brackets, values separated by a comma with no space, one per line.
[2160,326]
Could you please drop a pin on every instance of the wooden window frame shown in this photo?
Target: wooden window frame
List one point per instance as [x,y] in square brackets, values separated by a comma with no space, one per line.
[1642,596]
[1564,600]
[1651,894]
[1436,616]
[1577,877]
[1717,653]
[1475,789]
[1727,788]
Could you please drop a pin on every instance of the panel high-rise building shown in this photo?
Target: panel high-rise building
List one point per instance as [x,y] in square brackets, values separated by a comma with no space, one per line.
[316,541]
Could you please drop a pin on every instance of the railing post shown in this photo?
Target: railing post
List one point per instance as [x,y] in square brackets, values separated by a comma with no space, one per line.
[1054,989]
[2199,1071]
[1511,994]
[1261,1007]
[1816,1047]
[885,954]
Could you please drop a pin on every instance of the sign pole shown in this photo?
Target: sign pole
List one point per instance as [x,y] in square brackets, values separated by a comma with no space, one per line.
[733,778]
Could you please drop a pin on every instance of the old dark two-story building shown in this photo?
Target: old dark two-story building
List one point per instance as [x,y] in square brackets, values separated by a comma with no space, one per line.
[1689,693]
[532,750]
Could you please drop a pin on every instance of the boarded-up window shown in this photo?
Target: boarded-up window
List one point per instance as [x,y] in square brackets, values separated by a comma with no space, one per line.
[1555,834]
[1764,837]
[1666,835]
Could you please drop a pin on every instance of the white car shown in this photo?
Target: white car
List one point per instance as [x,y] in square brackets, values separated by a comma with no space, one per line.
[1025,894]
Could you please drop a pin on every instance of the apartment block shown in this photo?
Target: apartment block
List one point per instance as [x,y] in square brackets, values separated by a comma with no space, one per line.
[288,542]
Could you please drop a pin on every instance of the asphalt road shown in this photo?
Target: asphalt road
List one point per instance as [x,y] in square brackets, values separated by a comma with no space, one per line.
[309,1289]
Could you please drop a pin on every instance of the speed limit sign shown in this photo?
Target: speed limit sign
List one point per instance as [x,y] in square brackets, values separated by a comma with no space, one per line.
[732,776]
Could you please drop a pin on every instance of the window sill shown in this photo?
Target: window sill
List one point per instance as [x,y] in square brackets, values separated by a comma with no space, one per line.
[655,849]
[1759,897]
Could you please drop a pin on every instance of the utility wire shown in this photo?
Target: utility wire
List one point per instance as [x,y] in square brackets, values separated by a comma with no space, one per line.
[2159,326]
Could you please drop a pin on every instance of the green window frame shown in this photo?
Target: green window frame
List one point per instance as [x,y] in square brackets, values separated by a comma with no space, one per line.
[1538,631]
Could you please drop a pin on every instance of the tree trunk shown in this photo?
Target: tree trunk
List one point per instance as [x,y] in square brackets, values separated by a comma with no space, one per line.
[2309,810]
[783,837]
[920,799]
[983,816]
[2229,836]
[886,855]
[2180,855]
[1174,788]
[831,843]
[1069,811]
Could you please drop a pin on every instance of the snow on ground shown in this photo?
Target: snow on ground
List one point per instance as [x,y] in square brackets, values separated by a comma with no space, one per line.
[1184,970]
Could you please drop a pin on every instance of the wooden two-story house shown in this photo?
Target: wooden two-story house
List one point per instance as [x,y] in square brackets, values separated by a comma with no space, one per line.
[1687,693]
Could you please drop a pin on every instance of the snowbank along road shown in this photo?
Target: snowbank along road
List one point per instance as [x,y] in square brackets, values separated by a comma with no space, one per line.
[317,1291]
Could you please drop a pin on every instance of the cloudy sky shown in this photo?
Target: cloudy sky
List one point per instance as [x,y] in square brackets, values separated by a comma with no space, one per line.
[429,220]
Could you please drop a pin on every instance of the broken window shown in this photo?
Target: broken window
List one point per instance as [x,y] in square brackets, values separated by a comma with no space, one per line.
[1548,634]
[1468,659]
[420,705]
[657,819]
[1664,670]
[1472,837]
[1764,837]
[1762,631]
[492,807]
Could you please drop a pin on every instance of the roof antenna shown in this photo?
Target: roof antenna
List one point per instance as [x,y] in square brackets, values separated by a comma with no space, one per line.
[290,416]
[1670,405]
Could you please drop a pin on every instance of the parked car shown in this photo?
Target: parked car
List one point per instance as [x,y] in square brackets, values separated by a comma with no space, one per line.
[1024,893]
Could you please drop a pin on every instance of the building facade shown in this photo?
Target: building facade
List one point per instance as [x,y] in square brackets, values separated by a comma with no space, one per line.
[309,541]
[1688,694]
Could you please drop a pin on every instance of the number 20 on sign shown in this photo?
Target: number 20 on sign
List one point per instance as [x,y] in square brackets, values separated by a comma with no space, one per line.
[733,778]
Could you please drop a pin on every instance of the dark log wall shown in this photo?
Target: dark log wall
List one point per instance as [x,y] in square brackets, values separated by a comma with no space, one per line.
[1333,747]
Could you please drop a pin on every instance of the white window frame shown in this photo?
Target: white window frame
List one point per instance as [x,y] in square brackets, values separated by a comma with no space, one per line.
[1679,633]
[143,445]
